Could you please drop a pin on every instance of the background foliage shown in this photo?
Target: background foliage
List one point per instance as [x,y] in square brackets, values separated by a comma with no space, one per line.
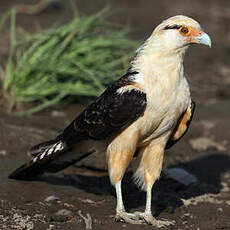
[77,59]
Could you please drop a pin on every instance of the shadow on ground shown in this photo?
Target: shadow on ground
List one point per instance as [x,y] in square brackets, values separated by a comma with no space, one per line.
[167,193]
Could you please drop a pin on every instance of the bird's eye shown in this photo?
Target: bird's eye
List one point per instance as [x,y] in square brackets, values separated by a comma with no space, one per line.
[184,30]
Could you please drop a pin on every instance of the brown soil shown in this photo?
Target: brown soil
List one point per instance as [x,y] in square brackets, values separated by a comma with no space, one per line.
[203,152]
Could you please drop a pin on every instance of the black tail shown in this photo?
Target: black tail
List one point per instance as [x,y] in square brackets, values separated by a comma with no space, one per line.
[51,156]
[41,156]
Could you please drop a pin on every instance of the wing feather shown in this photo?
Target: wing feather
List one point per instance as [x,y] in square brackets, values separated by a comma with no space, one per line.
[110,113]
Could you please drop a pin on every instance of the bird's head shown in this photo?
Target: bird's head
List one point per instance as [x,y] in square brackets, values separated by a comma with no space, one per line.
[180,31]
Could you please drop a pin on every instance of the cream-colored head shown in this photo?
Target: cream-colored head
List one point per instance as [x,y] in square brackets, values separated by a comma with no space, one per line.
[164,50]
[178,32]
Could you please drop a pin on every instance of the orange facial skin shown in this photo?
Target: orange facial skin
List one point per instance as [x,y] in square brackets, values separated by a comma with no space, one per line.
[190,32]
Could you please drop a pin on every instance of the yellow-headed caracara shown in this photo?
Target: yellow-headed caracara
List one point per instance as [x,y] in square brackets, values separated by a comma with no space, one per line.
[146,111]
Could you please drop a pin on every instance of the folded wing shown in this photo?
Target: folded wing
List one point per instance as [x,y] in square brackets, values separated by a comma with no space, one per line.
[111,113]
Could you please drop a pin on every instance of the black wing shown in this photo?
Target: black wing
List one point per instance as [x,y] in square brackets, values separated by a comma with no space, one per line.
[109,114]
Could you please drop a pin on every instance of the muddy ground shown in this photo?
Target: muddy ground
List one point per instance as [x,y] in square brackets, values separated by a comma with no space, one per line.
[54,201]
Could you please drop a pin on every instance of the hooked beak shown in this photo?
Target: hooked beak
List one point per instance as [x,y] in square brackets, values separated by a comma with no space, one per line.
[203,39]
[199,37]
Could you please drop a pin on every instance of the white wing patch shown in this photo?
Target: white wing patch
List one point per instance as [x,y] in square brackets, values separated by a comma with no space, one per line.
[127,88]
[59,147]
[43,154]
[35,159]
[49,151]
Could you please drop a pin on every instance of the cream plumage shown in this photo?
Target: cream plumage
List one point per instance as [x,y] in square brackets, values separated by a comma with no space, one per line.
[145,111]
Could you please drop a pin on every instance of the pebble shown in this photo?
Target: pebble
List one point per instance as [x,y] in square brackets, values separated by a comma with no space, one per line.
[180,175]
[187,214]
[3,152]
[51,226]
[56,113]
[62,215]
[51,199]
[64,212]
[228,202]
[22,222]
[68,205]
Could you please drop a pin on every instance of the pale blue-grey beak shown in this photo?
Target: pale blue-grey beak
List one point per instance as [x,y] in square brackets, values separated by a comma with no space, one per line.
[203,39]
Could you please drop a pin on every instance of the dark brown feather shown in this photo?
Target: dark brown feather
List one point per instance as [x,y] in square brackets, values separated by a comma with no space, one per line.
[110,113]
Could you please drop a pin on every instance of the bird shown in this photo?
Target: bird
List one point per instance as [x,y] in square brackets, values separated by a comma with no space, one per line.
[137,117]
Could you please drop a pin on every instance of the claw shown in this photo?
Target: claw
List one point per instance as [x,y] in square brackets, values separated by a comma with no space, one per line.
[128,218]
[119,219]
[149,219]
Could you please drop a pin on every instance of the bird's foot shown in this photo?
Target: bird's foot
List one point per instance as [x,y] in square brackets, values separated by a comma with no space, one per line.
[122,216]
[149,219]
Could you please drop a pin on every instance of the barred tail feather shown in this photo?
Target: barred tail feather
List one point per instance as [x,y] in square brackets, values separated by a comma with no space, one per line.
[41,156]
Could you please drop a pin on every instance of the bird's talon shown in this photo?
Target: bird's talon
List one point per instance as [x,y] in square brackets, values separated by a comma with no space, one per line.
[118,218]
[150,220]
[125,217]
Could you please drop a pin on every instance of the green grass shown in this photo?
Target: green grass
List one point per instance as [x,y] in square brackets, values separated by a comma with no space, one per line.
[76,60]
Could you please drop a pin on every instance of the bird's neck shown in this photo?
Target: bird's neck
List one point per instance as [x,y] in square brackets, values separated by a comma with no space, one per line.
[157,62]
[160,68]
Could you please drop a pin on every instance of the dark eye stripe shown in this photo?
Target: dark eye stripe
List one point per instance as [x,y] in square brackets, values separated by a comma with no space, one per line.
[168,27]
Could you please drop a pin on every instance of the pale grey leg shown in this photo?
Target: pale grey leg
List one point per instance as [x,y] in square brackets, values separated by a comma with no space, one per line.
[147,215]
[121,214]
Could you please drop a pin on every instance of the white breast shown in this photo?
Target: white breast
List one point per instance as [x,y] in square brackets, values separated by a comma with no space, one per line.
[167,98]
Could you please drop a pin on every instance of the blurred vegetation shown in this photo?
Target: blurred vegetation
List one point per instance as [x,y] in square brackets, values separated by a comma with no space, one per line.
[76,60]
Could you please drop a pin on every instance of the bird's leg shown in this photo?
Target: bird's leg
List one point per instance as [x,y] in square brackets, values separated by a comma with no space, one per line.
[119,155]
[147,215]
[151,165]
[121,214]
[120,205]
